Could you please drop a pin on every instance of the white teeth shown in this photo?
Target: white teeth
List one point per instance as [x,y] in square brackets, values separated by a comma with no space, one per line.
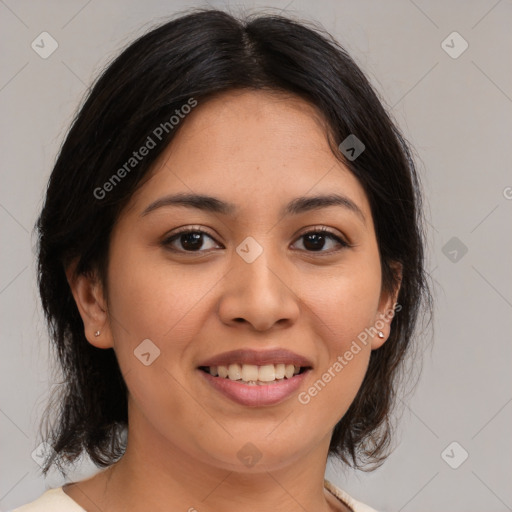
[249,372]
[267,373]
[280,371]
[253,374]
[234,372]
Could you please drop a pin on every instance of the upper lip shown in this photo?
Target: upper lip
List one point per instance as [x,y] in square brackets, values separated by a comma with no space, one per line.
[258,358]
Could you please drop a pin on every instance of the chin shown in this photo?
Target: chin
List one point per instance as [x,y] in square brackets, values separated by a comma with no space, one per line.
[254,454]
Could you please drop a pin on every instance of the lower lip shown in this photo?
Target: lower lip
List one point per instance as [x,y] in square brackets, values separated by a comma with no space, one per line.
[255,395]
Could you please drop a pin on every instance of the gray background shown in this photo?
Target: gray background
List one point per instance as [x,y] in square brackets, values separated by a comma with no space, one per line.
[457,114]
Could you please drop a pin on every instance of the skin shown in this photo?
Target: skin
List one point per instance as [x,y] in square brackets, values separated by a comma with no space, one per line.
[257,150]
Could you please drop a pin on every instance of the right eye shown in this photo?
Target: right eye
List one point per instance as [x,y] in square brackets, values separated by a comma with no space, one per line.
[191,240]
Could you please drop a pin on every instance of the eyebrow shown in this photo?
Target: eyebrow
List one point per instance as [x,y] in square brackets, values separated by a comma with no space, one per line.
[294,207]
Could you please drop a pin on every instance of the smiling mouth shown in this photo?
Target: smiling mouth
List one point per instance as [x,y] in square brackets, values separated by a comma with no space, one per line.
[254,375]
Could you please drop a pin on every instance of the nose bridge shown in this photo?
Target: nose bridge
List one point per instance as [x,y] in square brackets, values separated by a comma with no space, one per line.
[257,289]
[257,264]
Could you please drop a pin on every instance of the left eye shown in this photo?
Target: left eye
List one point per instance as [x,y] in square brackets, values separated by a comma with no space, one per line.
[191,240]
[316,240]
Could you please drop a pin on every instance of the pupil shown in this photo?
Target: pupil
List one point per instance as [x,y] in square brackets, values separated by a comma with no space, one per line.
[317,240]
[191,241]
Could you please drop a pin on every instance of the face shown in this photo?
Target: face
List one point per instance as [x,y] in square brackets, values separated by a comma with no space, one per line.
[189,284]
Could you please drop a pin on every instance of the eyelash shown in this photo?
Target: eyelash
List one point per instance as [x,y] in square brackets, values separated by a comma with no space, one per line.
[322,230]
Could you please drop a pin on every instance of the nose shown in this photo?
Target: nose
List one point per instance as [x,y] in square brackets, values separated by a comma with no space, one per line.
[259,294]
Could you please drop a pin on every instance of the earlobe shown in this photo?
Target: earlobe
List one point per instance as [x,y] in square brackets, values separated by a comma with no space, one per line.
[387,307]
[88,294]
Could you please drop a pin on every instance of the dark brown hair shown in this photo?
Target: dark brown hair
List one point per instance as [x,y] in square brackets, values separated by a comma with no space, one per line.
[197,55]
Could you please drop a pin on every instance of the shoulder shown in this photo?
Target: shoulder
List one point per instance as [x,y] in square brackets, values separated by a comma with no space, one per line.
[56,500]
[52,500]
[353,504]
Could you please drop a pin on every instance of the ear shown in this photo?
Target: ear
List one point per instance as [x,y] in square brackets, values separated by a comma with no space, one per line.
[90,301]
[387,308]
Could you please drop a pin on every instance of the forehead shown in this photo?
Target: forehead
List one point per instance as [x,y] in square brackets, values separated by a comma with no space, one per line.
[257,146]
[246,121]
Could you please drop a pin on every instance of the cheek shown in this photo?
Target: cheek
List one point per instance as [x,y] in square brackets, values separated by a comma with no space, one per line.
[345,302]
[343,306]
[153,299]
[151,302]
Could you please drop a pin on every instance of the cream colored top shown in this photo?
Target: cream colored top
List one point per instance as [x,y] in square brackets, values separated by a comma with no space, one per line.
[56,500]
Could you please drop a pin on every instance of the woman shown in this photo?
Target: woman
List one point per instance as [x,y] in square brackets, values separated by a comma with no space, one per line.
[231,265]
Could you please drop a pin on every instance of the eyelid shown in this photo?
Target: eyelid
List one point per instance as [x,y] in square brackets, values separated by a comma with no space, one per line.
[323,229]
[189,227]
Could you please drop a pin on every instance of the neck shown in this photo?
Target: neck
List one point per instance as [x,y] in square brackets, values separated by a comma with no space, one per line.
[152,477]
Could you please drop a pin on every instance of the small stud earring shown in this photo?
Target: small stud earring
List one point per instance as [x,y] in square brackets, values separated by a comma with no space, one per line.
[381,334]
[97,333]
